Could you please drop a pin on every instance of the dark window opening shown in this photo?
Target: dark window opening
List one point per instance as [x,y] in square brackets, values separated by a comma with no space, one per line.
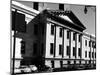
[20,22]
[52,29]
[95,54]
[79,52]
[61,63]
[74,61]
[35,48]
[60,32]
[74,51]
[85,53]
[68,34]
[51,48]
[60,49]
[92,55]
[61,6]
[23,62]
[23,47]
[89,61]
[52,63]
[89,54]
[68,50]
[89,43]
[74,36]
[35,29]
[68,62]
[79,62]
[35,5]
[93,44]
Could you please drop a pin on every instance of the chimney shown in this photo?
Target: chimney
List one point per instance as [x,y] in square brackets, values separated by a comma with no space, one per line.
[35,5]
[61,7]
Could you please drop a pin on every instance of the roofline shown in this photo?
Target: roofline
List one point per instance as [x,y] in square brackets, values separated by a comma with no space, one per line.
[65,13]
[24,9]
[48,13]
[71,28]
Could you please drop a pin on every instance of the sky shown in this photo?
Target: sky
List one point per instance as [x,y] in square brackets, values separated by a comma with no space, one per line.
[88,19]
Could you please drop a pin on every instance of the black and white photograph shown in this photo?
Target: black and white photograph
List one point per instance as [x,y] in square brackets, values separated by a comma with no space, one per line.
[52,37]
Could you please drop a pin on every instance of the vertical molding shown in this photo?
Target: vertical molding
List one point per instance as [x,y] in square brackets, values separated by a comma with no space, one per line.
[76,45]
[70,43]
[63,44]
[54,40]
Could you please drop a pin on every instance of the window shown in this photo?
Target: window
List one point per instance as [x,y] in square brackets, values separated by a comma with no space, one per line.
[74,51]
[52,64]
[68,50]
[74,61]
[92,55]
[93,44]
[20,22]
[23,47]
[79,38]
[35,29]
[80,62]
[68,34]
[89,43]
[89,61]
[52,29]
[85,53]
[89,54]
[51,48]
[23,62]
[61,63]
[35,5]
[79,52]
[74,36]
[61,6]
[60,32]
[68,62]
[60,49]
[95,54]
[35,48]
[85,42]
